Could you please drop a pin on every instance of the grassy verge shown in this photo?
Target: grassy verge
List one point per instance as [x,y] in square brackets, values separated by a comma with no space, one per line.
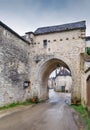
[83,113]
[34,100]
[16,104]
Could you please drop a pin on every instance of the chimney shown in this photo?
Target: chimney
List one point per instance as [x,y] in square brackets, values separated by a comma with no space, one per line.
[30,37]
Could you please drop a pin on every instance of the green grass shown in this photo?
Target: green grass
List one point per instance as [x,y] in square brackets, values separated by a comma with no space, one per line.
[15,105]
[83,113]
[28,102]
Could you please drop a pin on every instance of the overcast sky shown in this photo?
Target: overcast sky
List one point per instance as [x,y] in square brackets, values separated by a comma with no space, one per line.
[27,15]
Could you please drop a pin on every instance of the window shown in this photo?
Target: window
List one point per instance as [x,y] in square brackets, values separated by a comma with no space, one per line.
[73,38]
[67,38]
[44,43]
[48,49]
[54,40]
[61,39]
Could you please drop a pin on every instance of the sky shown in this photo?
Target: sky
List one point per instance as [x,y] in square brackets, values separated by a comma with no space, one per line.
[27,15]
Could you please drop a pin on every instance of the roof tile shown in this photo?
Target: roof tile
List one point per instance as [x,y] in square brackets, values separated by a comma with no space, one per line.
[59,28]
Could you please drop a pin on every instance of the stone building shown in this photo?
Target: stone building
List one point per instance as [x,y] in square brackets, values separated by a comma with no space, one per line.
[26,62]
[56,45]
[14,65]
[63,80]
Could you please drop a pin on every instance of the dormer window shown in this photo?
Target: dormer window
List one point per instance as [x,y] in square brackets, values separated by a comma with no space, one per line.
[45,43]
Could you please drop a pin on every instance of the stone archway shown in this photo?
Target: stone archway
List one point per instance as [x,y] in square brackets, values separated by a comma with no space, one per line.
[88,92]
[43,75]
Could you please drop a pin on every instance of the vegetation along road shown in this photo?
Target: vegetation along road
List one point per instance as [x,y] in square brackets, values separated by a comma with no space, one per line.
[53,114]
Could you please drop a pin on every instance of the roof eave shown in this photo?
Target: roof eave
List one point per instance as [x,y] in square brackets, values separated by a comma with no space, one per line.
[60,31]
[13,32]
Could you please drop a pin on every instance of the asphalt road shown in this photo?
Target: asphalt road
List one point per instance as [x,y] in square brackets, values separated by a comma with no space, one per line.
[51,115]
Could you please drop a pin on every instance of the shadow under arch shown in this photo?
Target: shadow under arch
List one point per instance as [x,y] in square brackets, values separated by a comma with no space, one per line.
[88,92]
[44,73]
[88,78]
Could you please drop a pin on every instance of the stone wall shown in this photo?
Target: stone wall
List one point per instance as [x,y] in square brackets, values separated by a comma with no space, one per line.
[20,62]
[84,75]
[14,67]
[64,46]
[63,83]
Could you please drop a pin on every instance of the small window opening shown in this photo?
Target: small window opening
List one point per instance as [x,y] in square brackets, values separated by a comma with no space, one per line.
[44,43]
[67,38]
[48,49]
[54,40]
[73,37]
[61,39]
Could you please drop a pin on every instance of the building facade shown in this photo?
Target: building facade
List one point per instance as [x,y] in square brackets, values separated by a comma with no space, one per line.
[26,62]
[63,80]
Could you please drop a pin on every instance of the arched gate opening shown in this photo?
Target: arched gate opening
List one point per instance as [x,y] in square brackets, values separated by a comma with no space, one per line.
[46,69]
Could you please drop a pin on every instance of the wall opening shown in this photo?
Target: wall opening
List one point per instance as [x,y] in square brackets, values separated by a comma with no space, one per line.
[56,66]
[60,84]
[88,92]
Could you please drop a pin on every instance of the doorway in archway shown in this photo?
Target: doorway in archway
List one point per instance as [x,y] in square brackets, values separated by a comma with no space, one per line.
[60,84]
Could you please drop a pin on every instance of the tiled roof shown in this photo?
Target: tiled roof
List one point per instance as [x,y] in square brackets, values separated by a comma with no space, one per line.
[64,73]
[87,38]
[59,28]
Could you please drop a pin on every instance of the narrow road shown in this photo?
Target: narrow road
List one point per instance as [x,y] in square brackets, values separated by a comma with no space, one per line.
[51,115]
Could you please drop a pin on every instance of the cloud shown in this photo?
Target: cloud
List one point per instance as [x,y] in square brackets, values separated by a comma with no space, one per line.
[27,15]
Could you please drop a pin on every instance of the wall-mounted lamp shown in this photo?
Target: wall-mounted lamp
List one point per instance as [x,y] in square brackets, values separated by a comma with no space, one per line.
[26,84]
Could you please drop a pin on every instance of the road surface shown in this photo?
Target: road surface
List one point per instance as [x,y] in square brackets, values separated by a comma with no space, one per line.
[54,114]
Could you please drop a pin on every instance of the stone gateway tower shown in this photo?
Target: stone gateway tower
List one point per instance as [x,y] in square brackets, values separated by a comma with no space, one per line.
[26,62]
[52,46]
